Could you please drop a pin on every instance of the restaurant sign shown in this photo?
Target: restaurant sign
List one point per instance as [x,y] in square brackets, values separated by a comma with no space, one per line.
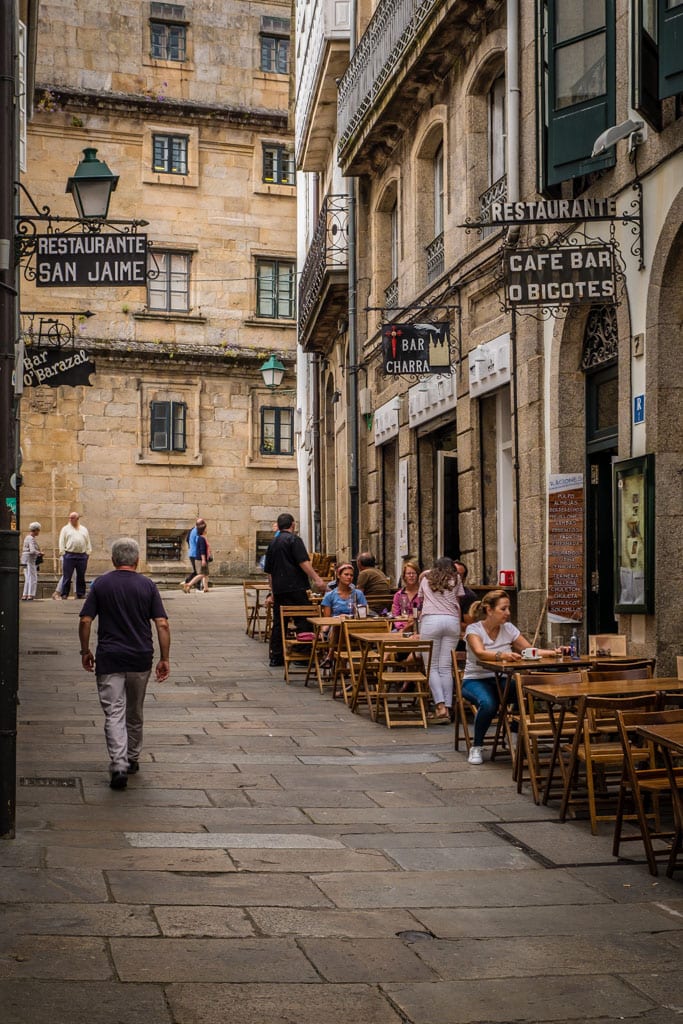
[410,349]
[91,260]
[546,276]
[57,367]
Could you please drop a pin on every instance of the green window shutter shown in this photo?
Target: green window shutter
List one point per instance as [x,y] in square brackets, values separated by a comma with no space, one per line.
[645,77]
[581,86]
[670,48]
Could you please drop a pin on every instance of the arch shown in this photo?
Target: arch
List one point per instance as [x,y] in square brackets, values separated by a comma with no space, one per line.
[429,162]
[664,428]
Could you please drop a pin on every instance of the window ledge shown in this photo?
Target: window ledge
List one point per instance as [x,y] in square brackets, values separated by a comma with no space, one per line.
[167,65]
[192,318]
[271,462]
[168,459]
[266,321]
[166,178]
[267,189]
[271,76]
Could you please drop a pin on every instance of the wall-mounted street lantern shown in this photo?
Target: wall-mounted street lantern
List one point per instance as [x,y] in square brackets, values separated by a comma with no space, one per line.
[272,372]
[89,250]
[91,186]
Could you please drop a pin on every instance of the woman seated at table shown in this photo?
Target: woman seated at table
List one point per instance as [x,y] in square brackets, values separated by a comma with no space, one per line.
[491,638]
[406,601]
[343,599]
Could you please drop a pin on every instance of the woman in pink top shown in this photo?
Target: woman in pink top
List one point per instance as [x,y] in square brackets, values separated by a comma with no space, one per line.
[439,591]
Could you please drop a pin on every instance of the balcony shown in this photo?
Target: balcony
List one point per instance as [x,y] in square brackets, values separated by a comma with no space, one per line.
[323,58]
[323,288]
[498,192]
[435,258]
[391,297]
[407,49]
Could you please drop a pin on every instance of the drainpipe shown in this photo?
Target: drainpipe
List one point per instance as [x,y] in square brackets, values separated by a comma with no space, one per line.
[317,458]
[352,393]
[512,102]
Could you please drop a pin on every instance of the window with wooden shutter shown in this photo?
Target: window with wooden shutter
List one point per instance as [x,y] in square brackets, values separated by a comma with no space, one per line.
[578,85]
[167,426]
[670,48]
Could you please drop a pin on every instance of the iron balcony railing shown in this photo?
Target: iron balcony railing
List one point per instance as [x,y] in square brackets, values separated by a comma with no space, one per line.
[391,296]
[329,251]
[377,59]
[496,193]
[435,258]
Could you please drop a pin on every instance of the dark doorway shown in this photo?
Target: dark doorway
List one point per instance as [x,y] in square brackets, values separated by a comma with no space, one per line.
[602,387]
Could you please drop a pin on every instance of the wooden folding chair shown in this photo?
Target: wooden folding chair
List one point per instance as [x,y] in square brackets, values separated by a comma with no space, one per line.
[536,733]
[296,652]
[643,781]
[642,670]
[403,662]
[465,712]
[348,655]
[380,602]
[600,760]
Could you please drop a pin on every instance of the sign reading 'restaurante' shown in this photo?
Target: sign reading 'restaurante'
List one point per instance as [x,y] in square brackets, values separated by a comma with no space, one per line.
[538,211]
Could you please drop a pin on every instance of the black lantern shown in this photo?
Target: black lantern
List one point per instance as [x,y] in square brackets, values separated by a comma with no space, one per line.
[91,186]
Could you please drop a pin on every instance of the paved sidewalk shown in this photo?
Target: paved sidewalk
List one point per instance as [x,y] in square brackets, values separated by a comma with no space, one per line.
[278,860]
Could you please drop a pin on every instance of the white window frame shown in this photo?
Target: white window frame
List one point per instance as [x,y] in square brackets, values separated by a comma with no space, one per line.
[505,482]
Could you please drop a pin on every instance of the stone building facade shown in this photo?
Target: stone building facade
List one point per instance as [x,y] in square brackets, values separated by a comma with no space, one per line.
[446,111]
[188,105]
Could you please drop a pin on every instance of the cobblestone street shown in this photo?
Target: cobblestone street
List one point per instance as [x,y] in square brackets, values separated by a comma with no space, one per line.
[278,859]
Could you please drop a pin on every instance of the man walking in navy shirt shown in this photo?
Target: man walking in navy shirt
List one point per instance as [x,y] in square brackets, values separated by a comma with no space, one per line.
[126,604]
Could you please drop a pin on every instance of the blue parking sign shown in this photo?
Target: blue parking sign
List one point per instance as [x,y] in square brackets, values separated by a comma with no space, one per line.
[639,409]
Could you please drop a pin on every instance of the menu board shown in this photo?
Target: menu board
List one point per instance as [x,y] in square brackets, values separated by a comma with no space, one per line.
[565,547]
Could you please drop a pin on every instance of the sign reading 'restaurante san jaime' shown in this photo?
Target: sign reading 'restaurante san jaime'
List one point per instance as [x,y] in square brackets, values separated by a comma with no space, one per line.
[92,260]
[416,348]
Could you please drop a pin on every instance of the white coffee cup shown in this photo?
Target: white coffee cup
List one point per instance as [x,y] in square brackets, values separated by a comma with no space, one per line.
[530,653]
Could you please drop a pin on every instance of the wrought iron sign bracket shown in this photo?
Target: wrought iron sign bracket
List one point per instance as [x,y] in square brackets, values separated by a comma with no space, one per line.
[56,328]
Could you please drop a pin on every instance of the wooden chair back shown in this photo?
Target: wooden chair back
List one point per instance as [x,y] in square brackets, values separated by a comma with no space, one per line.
[606,644]
[643,783]
[535,731]
[379,601]
[402,692]
[623,666]
[587,749]
[293,649]
[348,654]
[643,671]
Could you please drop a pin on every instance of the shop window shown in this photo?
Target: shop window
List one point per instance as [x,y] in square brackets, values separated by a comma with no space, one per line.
[277,431]
[165,545]
[168,287]
[169,154]
[167,422]
[275,289]
[278,165]
[168,32]
[577,66]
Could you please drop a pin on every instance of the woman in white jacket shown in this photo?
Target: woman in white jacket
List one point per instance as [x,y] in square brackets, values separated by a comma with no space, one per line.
[29,554]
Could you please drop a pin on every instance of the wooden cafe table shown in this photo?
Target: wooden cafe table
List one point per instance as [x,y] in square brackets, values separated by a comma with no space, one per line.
[669,739]
[567,694]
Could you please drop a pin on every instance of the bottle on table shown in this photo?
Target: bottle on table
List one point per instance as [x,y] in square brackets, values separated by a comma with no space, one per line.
[574,645]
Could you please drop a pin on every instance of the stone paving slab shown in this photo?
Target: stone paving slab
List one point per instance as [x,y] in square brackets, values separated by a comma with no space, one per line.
[310,861]
[302,798]
[64,1002]
[54,956]
[565,842]
[232,840]
[77,919]
[139,860]
[538,956]
[466,889]
[500,857]
[626,883]
[204,922]
[504,1001]
[62,885]
[280,1004]
[365,961]
[212,960]
[358,924]
[231,890]
[397,815]
[482,923]
[469,834]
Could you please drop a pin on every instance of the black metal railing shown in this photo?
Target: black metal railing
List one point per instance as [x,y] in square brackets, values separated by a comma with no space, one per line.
[329,251]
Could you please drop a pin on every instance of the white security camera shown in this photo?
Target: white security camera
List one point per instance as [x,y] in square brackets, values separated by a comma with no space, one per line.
[633,130]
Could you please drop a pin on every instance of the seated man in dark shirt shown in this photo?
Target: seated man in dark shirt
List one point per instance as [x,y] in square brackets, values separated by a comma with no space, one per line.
[370,579]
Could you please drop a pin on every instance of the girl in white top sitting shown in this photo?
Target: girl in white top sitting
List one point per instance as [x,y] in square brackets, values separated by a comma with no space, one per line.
[490,639]
[438,596]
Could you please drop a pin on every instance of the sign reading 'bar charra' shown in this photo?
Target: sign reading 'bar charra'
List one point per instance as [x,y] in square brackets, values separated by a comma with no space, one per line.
[416,348]
[109,260]
[537,211]
[540,277]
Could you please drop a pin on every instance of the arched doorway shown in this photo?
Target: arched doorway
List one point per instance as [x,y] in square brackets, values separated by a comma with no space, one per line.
[600,366]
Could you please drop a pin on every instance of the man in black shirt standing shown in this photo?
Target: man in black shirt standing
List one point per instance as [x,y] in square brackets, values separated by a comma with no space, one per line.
[289,568]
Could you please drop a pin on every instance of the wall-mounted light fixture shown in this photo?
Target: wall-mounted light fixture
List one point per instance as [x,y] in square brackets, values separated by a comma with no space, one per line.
[336,397]
[91,186]
[272,372]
